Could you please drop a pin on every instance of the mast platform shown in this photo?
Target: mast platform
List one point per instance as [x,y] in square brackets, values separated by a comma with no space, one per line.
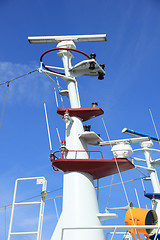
[83,113]
[98,167]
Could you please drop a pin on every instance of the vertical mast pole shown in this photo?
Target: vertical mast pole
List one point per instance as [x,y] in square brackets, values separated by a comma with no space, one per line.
[80,206]
[146,149]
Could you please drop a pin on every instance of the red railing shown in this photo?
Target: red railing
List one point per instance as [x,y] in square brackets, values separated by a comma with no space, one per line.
[64,154]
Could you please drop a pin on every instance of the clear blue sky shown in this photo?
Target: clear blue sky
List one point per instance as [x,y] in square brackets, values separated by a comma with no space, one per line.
[130,87]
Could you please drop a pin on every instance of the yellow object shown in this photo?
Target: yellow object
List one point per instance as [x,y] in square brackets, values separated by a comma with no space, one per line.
[140,216]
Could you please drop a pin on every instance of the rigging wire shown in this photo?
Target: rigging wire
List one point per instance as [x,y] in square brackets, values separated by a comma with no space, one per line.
[53,81]
[6,94]
[27,199]
[110,190]
[120,175]
[6,82]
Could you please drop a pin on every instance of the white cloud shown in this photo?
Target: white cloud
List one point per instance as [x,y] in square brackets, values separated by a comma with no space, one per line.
[30,88]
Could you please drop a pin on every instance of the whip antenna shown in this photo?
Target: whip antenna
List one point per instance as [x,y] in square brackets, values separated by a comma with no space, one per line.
[49,137]
[58,135]
[56,97]
[153,123]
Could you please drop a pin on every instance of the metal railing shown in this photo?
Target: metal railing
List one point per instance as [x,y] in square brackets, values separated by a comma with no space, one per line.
[115,228]
[40,180]
[63,154]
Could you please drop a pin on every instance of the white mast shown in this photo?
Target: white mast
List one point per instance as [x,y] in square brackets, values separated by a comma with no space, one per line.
[80,206]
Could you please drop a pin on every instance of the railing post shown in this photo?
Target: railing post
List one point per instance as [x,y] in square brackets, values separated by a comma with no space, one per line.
[114,233]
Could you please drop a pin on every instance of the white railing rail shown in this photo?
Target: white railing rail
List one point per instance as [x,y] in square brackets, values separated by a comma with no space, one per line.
[114,227]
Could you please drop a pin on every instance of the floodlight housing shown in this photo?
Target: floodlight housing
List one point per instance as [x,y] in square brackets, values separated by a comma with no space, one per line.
[74,38]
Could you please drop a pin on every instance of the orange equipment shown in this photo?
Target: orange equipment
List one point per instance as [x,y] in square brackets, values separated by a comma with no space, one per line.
[140,216]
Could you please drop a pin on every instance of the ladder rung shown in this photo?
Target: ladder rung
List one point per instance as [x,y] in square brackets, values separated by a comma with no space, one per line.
[26,203]
[23,233]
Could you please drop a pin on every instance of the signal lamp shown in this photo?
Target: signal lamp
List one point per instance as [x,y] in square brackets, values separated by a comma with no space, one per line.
[140,216]
[153,200]
[92,66]
[87,127]
[63,148]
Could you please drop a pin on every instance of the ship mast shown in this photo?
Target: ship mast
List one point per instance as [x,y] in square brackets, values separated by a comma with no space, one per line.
[80,205]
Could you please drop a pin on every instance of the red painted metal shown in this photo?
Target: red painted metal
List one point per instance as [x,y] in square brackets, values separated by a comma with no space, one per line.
[83,113]
[98,168]
[55,49]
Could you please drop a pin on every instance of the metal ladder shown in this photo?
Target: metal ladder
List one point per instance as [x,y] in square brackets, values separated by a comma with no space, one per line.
[40,180]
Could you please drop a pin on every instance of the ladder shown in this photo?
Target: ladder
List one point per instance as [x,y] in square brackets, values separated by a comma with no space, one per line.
[40,180]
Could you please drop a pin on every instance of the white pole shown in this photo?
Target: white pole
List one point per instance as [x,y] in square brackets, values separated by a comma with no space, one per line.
[49,137]
[58,135]
[80,205]
[137,198]
[146,149]
[56,97]
[56,208]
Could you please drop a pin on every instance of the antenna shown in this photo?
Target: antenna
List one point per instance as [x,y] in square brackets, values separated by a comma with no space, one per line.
[49,137]
[58,135]
[56,208]
[143,185]
[56,97]
[153,123]
[74,38]
[137,198]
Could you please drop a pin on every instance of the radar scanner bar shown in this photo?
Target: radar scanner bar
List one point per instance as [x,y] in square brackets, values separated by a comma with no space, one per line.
[139,134]
[125,141]
[74,38]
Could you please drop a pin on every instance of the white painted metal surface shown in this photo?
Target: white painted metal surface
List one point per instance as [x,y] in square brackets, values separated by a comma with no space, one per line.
[151,168]
[91,138]
[75,38]
[126,141]
[82,69]
[115,228]
[80,205]
[40,180]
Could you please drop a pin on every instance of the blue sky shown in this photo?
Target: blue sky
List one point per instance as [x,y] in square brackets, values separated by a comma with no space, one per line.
[131,85]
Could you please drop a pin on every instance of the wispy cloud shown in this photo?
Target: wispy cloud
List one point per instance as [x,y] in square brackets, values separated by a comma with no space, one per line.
[30,88]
